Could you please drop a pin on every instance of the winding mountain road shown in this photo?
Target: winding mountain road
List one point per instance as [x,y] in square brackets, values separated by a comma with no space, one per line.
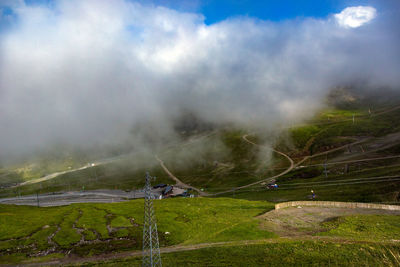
[272,179]
[179,183]
[269,179]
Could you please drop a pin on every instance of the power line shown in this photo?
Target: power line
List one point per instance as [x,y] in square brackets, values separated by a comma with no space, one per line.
[344,180]
[323,185]
[352,161]
[352,183]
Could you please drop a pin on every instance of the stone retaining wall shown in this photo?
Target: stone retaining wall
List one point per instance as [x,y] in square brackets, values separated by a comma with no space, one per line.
[351,205]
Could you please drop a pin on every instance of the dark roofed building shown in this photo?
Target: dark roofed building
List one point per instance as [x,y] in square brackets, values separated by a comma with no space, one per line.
[159,186]
[168,190]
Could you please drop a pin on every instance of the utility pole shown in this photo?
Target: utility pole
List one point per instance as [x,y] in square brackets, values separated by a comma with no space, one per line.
[325,170]
[37,194]
[92,170]
[95,174]
[37,198]
[151,247]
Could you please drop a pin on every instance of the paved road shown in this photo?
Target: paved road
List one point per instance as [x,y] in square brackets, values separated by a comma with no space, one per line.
[66,198]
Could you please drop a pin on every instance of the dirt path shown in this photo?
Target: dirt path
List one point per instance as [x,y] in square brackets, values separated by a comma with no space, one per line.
[50,176]
[56,174]
[178,248]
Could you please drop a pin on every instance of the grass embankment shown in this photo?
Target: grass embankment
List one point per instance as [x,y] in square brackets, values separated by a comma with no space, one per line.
[289,253]
[28,231]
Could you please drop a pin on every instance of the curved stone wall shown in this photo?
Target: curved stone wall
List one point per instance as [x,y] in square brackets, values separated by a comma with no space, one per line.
[351,205]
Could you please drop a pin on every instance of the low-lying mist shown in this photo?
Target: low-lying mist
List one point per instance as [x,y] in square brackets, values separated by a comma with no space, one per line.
[120,74]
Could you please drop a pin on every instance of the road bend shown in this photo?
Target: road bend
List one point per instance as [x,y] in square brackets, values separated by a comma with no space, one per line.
[178,182]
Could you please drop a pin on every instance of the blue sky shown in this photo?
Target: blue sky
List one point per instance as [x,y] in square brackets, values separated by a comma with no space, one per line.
[274,10]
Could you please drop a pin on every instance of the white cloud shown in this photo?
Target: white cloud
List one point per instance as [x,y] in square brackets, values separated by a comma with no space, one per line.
[92,70]
[353,17]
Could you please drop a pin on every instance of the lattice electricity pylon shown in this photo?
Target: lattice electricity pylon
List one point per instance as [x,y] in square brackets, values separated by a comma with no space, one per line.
[151,247]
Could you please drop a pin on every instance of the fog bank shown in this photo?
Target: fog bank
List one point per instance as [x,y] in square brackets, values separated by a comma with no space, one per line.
[90,72]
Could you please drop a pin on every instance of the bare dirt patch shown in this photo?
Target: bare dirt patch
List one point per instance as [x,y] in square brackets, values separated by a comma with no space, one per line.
[306,221]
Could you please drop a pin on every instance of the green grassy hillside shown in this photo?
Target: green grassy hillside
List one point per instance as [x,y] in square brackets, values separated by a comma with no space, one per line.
[28,233]
[86,229]
[220,160]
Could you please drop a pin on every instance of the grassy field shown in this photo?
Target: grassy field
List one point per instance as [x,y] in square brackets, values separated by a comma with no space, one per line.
[86,229]
[91,229]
